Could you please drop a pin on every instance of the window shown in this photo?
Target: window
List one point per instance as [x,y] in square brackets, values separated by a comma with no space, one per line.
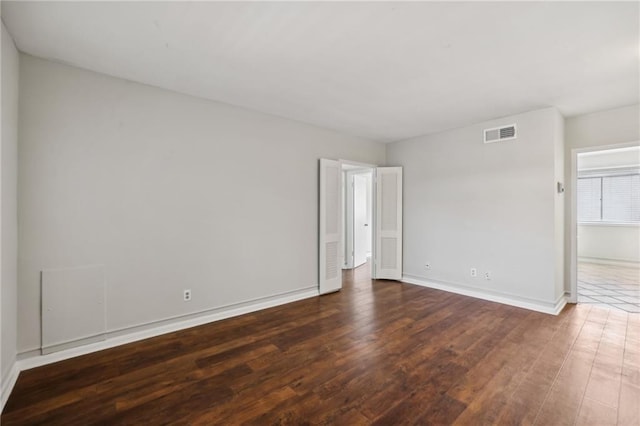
[609,196]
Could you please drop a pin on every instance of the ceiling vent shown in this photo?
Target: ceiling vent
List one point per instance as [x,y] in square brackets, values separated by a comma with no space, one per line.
[499,134]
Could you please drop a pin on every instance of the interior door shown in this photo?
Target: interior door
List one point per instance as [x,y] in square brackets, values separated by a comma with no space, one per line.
[360,223]
[330,224]
[388,229]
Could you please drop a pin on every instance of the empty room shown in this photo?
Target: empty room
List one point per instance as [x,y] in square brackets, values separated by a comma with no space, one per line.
[320,213]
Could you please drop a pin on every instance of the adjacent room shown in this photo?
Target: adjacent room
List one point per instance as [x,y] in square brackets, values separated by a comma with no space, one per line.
[320,213]
[608,191]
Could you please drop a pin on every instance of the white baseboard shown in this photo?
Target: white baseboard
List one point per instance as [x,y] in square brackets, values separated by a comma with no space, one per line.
[612,262]
[33,359]
[8,383]
[553,308]
[569,298]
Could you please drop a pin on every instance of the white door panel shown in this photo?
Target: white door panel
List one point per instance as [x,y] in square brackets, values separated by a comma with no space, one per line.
[388,249]
[330,203]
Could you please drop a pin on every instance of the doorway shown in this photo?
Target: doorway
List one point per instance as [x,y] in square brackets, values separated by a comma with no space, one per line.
[357,215]
[385,224]
[607,242]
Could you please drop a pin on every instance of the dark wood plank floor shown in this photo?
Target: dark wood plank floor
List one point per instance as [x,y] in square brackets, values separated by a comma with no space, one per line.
[378,352]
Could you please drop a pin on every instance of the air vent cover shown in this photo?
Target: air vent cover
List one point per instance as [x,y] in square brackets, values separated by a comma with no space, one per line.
[499,134]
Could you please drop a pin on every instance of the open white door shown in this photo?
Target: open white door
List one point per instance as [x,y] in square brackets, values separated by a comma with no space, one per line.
[330,270]
[388,229]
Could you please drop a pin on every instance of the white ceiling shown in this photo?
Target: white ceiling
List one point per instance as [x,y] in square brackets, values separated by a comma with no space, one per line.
[384,71]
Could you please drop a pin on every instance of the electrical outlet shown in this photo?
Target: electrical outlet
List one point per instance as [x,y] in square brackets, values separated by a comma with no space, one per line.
[427,266]
[187,295]
[474,272]
[487,275]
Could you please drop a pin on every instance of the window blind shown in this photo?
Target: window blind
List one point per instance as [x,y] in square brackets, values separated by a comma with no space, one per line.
[609,196]
[589,207]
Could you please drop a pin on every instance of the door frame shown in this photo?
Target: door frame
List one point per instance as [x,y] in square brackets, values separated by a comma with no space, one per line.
[573,209]
[349,212]
[362,211]
[343,246]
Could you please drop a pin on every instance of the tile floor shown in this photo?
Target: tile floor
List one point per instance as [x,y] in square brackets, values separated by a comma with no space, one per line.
[609,286]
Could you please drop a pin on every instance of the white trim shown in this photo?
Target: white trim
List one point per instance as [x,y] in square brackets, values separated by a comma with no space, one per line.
[591,169]
[553,308]
[46,350]
[135,334]
[357,164]
[614,224]
[8,384]
[567,296]
[613,262]
[573,211]
[618,150]
[347,217]
[352,167]
[573,230]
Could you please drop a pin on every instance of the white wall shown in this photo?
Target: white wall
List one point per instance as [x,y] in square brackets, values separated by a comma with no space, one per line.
[489,206]
[168,192]
[618,243]
[602,128]
[599,129]
[8,199]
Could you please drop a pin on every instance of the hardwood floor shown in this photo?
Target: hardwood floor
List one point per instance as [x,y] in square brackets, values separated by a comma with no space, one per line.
[378,352]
